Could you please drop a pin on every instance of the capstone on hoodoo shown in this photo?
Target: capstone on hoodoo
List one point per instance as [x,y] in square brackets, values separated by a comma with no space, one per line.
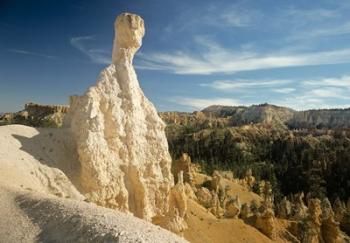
[121,143]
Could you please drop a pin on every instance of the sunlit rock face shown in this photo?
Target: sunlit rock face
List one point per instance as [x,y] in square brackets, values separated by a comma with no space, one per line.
[120,139]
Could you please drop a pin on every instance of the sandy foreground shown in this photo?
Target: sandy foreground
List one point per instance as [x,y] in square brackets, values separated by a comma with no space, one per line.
[38,201]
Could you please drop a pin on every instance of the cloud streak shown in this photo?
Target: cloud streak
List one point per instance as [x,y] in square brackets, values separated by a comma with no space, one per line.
[30,53]
[215,59]
[199,103]
[96,55]
[229,85]
[299,94]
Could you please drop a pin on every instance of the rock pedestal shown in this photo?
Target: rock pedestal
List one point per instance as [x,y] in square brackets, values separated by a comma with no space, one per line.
[120,139]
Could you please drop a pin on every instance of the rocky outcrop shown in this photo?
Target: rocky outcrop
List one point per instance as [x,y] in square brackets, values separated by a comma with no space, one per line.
[174,219]
[299,209]
[284,208]
[183,164]
[204,197]
[222,116]
[339,209]
[120,138]
[245,211]
[265,222]
[249,179]
[37,115]
[331,231]
[43,110]
[240,115]
[233,208]
[217,116]
[312,232]
[326,118]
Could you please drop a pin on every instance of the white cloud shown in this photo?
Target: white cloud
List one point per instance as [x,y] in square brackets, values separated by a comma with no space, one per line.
[340,29]
[316,14]
[343,81]
[299,94]
[284,90]
[214,58]
[229,85]
[30,53]
[198,103]
[95,55]
[320,93]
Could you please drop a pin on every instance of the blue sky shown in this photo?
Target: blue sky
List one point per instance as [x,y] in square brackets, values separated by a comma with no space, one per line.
[195,53]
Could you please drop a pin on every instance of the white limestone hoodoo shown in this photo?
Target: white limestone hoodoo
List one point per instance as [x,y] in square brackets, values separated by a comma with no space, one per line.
[120,139]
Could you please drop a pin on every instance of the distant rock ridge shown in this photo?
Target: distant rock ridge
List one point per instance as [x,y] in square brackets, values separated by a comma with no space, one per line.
[215,116]
[37,109]
[222,116]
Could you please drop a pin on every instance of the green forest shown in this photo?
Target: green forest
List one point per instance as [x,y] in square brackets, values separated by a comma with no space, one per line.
[313,161]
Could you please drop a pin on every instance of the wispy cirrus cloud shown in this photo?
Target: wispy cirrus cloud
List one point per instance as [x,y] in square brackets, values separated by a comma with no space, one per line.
[342,81]
[214,58]
[284,90]
[30,53]
[99,56]
[314,14]
[319,93]
[229,85]
[331,31]
[299,94]
[200,103]
[221,16]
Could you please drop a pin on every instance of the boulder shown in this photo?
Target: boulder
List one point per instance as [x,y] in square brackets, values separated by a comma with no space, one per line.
[233,208]
[204,197]
[265,222]
[245,211]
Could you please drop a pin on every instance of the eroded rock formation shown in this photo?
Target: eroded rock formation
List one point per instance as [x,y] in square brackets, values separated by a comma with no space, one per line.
[183,164]
[120,139]
[265,222]
[233,208]
[204,197]
[284,208]
[174,219]
[299,209]
[312,232]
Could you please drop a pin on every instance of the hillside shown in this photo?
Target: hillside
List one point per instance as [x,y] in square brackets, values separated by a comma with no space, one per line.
[39,192]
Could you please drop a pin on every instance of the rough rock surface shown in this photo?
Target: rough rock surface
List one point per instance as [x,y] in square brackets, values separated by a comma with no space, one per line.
[245,211]
[204,197]
[313,222]
[265,222]
[183,164]
[233,208]
[299,209]
[284,208]
[121,143]
[174,220]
